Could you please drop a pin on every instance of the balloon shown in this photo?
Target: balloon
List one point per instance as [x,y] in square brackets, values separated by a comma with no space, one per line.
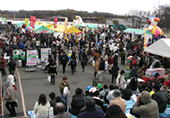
[88,87]
[69,57]
[31,28]
[99,85]
[24,26]
[27,26]
[148,43]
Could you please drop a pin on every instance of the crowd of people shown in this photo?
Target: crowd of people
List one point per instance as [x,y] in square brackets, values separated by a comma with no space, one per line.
[101,49]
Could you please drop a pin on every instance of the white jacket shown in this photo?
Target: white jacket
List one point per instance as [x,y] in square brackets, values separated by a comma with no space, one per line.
[40,110]
[120,81]
[10,78]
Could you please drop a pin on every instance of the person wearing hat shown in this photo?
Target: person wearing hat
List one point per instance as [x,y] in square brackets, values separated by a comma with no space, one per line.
[10,98]
[117,100]
[145,107]
[160,98]
[2,64]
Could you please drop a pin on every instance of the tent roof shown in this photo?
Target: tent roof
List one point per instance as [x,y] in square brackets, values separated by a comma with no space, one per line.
[137,31]
[92,26]
[42,29]
[20,24]
[80,25]
[60,28]
[160,47]
[48,25]
[73,29]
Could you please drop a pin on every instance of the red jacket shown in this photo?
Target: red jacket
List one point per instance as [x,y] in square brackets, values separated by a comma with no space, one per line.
[110,60]
[2,63]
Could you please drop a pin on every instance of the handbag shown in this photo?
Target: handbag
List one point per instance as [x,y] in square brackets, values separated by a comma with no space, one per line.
[15,103]
[15,87]
[49,78]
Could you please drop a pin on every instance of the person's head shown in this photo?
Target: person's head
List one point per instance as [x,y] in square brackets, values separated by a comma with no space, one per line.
[78,91]
[42,99]
[69,48]
[136,66]
[115,64]
[64,53]
[96,93]
[156,87]
[135,76]
[145,97]
[156,75]
[114,111]
[116,93]
[52,95]
[2,55]
[89,102]
[105,86]
[65,79]
[60,107]
[122,72]
[12,72]
[99,59]
[7,83]
[58,99]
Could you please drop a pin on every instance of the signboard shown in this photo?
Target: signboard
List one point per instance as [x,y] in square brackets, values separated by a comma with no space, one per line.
[31,57]
[44,53]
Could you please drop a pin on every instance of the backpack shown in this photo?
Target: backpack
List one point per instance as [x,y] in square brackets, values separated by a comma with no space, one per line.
[73,64]
[102,65]
[105,99]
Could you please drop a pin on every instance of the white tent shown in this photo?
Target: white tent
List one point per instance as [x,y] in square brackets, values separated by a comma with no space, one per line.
[160,47]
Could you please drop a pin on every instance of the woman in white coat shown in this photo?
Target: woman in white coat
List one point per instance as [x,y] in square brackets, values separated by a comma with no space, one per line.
[41,107]
[120,81]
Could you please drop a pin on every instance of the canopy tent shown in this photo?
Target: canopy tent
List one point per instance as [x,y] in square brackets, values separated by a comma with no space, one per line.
[80,25]
[92,26]
[20,24]
[61,28]
[137,31]
[42,29]
[48,25]
[160,47]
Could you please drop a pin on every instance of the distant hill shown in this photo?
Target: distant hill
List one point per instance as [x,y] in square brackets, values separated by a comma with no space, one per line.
[69,13]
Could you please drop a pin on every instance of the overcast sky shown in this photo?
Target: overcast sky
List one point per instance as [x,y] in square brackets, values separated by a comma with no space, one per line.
[112,6]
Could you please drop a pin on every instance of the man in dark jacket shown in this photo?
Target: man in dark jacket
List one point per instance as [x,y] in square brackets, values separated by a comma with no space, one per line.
[160,98]
[133,84]
[64,60]
[101,70]
[126,93]
[77,102]
[91,111]
[115,69]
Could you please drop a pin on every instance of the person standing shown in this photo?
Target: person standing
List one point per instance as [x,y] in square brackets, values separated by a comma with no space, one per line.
[2,65]
[11,64]
[122,55]
[115,69]
[16,54]
[72,64]
[62,85]
[10,99]
[134,85]
[64,60]
[84,62]
[52,72]
[96,68]
[110,63]
[120,81]
[101,70]
[22,56]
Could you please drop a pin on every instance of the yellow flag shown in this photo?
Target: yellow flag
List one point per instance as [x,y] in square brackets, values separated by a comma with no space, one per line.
[26,21]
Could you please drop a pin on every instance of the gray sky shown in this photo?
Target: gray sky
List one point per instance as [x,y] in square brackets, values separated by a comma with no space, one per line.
[112,6]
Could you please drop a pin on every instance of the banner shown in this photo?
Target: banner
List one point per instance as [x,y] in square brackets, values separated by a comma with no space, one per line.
[83,32]
[32,21]
[145,41]
[55,22]
[65,25]
[44,53]
[31,57]
[74,23]
[26,21]
[38,20]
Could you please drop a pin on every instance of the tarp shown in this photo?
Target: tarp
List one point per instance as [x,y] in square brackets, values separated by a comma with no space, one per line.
[137,31]
[160,47]
[92,26]
[42,29]
[73,29]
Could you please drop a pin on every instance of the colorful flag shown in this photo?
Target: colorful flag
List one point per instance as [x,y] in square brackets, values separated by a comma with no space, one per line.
[66,25]
[145,41]
[55,22]
[26,21]
[32,21]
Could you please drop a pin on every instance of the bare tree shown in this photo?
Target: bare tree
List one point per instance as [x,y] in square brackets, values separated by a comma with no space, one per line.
[138,15]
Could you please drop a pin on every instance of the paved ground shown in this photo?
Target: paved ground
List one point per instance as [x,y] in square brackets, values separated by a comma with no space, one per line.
[35,83]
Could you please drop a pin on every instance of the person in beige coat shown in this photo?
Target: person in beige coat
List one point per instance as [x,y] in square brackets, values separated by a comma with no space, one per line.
[10,99]
[96,67]
[120,81]
[145,107]
[117,100]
